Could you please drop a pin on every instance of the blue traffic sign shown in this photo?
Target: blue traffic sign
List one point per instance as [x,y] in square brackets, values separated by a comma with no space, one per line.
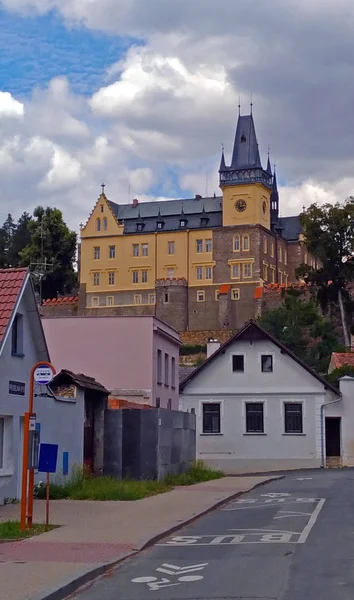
[48,456]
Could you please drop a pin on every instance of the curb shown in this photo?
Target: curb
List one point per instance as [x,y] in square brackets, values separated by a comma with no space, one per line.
[87,576]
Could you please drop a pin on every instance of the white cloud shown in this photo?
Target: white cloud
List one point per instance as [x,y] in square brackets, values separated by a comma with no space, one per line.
[9,107]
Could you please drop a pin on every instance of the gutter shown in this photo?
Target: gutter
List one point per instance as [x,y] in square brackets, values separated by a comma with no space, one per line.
[323,406]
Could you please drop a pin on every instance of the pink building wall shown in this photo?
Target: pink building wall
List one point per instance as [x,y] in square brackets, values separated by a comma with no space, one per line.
[120,352]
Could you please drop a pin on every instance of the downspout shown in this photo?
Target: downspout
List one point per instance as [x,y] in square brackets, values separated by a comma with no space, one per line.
[155,310]
[323,406]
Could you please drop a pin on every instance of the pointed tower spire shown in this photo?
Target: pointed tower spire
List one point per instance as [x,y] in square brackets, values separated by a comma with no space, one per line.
[222,161]
[245,154]
[274,201]
[269,168]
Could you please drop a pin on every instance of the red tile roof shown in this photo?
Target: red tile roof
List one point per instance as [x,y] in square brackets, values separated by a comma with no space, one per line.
[224,288]
[11,281]
[61,301]
[340,359]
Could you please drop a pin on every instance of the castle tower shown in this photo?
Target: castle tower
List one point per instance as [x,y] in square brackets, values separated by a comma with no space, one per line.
[246,186]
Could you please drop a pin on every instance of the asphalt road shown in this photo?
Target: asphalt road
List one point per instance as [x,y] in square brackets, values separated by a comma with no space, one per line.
[291,539]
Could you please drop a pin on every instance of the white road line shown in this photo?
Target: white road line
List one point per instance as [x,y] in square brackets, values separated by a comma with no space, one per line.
[267,531]
[303,537]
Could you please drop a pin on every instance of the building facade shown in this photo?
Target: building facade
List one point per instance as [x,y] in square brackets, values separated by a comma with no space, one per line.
[259,408]
[193,263]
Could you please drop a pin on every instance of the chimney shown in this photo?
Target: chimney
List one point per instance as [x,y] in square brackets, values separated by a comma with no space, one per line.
[135,202]
[198,197]
[212,346]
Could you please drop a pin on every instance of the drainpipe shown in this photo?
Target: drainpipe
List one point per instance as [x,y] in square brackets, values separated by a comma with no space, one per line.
[323,406]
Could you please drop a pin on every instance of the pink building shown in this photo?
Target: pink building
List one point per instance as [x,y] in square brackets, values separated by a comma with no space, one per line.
[135,358]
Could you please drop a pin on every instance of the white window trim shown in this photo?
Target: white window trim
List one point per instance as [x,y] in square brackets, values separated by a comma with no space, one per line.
[259,360]
[265,415]
[244,363]
[8,457]
[200,416]
[304,414]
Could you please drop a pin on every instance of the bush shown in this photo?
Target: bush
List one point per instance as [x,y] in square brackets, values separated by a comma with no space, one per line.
[198,473]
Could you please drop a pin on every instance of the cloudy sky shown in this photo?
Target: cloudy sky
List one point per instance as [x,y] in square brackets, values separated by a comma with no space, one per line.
[141,94]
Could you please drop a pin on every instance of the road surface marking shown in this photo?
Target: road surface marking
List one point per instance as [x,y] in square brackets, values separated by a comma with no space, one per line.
[265,503]
[286,514]
[271,495]
[312,521]
[302,478]
[182,573]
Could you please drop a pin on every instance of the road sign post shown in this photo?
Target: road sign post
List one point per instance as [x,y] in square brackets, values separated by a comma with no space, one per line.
[41,373]
[47,463]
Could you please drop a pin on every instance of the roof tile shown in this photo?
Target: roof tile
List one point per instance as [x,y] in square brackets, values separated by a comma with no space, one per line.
[11,281]
[341,359]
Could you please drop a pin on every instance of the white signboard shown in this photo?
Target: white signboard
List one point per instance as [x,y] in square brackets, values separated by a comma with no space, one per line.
[43,374]
[32,423]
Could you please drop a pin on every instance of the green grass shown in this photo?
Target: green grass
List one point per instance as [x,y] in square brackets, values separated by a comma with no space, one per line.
[82,487]
[10,530]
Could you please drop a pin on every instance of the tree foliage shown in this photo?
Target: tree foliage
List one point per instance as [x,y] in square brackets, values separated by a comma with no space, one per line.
[299,326]
[336,374]
[329,236]
[34,240]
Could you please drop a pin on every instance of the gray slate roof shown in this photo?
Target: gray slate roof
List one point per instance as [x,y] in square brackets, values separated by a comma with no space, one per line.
[246,152]
[290,228]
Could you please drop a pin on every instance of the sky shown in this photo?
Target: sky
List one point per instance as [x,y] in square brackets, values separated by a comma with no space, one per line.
[141,94]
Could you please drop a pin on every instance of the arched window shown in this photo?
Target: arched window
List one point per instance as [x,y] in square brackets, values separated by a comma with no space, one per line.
[236,243]
[246,242]
[98,224]
[104,223]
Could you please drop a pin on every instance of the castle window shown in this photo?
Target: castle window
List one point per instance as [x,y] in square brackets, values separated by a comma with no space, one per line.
[98,224]
[95,302]
[102,208]
[265,271]
[182,223]
[112,251]
[217,295]
[144,249]
[235,294]
[281,277]
[273,274]
[139,226]
[166,298]
[104,223]
[96,252]
[200,296]
[246,242]
[235,272]
[285,257]
[305,258]
[199,273]
[208,246]
[137,298]
[110,301]
[135,276]
[272,249]
[111,278]
[265,245]
[280,253]
[144,276]
[135,249]
[236,243]
[199,245]
[170,273]
[160,224]
[208,273]
[152,299]
[171,248]
[247,270]
[204,222]
[96,279]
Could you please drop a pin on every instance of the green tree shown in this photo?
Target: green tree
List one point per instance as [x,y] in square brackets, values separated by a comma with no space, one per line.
[329,235]
[299,326]
[52,244]
[21,238]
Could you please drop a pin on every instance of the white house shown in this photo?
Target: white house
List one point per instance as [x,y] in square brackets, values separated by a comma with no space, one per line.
[22,345]
[258,406]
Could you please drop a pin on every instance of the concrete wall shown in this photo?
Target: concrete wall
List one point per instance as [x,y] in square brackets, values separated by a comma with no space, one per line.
[233,449]
[345,410]
[148,444]
[164,339]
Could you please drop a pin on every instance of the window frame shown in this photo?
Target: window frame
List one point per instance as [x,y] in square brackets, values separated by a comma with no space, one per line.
[96,279]
[144,276]
[199,246]
[95,301]
[108,300]
[249,428]
[98,224]
[211,430]
[236,238]
[154,299]
[208,270]
[265,245]
[238,294]
[166,298]
[159,367]
[233,267]
[289,405]
[209,245]
[170,273]
[96,252]
[200,295]
[244,271]
[111,277]
[244,238]
[171,248]
[267,356]
[167,370]
[105,224]
[17,342]
[199,271]
[144,249]
[138,300]
[135,250]
[233,356]
[135,275]
[111,251]
[217,294]
[173,372]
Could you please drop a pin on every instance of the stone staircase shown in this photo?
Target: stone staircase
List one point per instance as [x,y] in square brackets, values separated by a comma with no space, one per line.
[334,462]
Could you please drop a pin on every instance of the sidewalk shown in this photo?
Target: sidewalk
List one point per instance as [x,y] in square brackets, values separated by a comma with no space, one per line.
[96,534]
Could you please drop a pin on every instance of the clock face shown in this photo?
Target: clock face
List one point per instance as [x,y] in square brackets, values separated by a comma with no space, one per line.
[241,205]
[264,207]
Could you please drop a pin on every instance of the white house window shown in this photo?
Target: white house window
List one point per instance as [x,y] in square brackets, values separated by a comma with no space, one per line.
[254,417]
[96,253]
[267,363]
[112,252]
[135,249]
[152,298]
[211,418]
[235,271]
[96,279]
[173,372]
[183,223]
[238,363]
[247,270]
[199,273]
[110,301]
[208,245]
[171,247]
[200,296]
[293,417]
[135,276]
[159,366]
[199,245]
[95,302]
[144,276]
[235,294]
[144,249]
[111,278]
[137,299]
[170,273]
[167,374]
[2,427]
[104,223]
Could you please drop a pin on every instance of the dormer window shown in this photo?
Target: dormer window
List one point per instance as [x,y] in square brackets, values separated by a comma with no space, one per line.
[160,224]
[140,226]
[204,221]
[182,223]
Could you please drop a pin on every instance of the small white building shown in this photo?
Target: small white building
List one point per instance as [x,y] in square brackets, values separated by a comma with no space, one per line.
[258,407]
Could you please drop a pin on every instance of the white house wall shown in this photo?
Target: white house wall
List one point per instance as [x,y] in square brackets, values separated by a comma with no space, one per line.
[345,410]
[234,450]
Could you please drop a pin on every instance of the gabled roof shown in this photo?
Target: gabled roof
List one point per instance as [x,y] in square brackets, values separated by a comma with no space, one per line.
[11,283]
[82,381]
[253,331]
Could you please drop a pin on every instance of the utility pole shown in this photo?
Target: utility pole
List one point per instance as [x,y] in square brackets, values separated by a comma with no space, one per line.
[41,269]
